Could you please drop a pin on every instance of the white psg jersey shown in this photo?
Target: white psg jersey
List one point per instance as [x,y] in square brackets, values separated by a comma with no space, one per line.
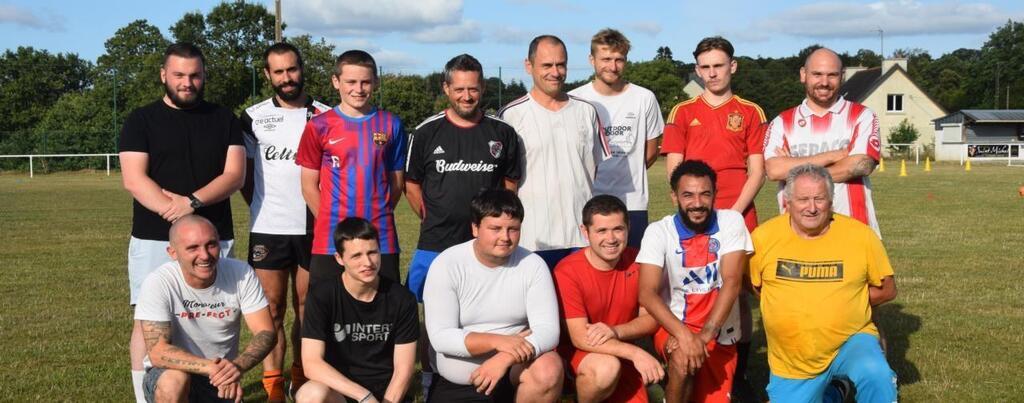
[272,136]
[561,149]
[630,119]
[690,266]
[846,125]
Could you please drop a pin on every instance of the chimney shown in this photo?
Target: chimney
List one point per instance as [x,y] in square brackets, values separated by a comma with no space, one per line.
[850,71]
[889,63]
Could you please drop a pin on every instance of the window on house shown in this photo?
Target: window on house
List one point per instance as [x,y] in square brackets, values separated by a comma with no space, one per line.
[894,103]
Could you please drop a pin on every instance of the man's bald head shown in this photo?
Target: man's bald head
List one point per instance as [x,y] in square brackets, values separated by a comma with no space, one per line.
[188,222]
[822,76]
[823,55]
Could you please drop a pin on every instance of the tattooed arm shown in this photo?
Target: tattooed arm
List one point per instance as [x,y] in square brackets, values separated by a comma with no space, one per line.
[263,339]
[852,167]
[163,354]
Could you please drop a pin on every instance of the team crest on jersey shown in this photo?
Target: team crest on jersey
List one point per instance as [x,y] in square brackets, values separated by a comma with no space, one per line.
[379,138]
[713,246]
[495,148]
[735,122]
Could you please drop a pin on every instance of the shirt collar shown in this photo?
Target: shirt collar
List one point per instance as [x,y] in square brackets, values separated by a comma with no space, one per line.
[685,232]
[836,108]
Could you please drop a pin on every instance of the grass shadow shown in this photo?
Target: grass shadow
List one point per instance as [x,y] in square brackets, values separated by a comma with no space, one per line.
[897,326]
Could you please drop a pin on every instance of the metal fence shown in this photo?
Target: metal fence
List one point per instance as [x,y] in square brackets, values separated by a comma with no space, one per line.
[33,157]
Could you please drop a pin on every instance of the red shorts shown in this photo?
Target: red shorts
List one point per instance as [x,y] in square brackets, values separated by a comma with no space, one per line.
[630,388]
[713,382]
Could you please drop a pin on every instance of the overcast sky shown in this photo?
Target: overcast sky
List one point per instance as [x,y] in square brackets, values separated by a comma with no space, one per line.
[418,36]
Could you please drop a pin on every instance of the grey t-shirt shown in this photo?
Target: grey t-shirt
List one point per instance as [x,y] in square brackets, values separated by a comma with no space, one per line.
[463,296]
[204,322]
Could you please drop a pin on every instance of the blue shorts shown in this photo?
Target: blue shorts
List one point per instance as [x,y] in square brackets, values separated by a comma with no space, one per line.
[860,361]
[417,277]
[637,225]
[553,256]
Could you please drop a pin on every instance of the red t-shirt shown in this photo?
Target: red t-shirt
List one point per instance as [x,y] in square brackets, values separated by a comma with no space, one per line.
[723,136]
[609,297]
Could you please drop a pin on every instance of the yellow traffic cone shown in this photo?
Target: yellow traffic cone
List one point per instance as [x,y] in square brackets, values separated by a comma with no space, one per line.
[967,167]
[903,167]
[881,165]
[927,164]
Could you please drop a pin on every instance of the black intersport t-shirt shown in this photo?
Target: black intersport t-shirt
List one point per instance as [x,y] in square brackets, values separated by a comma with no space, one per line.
[360,337]
[452,164]
[187,150]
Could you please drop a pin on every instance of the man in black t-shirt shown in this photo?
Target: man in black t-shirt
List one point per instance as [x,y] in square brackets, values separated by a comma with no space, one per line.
[179,155]
[359,332]
[453,155]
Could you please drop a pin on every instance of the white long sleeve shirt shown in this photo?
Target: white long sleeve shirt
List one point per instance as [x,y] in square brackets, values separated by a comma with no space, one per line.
[462,296]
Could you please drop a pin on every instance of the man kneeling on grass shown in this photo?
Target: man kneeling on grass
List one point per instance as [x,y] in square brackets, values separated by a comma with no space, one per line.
[190,310]
[359,332]
[491,312]
[598,287]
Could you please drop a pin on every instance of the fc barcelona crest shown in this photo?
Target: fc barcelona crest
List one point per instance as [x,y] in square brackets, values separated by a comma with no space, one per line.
[380,138]
[735,122]
[495,148]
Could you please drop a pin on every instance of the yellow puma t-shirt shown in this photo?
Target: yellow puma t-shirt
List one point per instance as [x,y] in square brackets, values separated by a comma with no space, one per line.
[814,292]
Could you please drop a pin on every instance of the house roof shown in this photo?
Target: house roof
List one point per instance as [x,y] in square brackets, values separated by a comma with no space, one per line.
[863,83]
[860,85]
[984,116]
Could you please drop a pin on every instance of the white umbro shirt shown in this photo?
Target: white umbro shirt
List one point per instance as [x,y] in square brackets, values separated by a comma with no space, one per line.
[277,204]
[630,119]
[562,150]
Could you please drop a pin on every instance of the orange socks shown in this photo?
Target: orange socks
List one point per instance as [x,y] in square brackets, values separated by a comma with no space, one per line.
[273,383]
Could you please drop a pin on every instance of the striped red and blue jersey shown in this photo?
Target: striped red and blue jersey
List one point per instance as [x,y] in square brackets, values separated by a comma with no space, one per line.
[355,157]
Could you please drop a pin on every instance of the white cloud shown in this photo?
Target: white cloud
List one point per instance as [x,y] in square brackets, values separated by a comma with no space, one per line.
[650,28]
[895,17]
[510,35]
[464,32]
[360,17]
[393,59]
[12,14]
[558,5]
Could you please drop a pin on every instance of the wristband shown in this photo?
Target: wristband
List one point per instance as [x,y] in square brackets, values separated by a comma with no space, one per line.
[366,398]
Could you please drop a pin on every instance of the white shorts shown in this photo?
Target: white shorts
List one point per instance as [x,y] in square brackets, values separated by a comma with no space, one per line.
[146,255]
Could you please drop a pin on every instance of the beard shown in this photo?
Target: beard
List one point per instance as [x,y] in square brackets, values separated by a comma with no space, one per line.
[468,114]
[292,95]
[694,226]
[184,103]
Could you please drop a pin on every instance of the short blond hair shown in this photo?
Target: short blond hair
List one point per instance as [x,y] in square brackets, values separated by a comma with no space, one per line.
[611,38]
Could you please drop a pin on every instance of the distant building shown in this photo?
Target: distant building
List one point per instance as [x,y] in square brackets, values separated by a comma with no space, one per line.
[889,91]
[694,86]
[980,133]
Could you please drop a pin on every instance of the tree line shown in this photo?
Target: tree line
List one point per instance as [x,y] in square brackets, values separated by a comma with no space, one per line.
[62,103]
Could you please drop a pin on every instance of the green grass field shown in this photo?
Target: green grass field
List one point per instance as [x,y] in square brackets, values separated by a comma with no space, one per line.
[956,330]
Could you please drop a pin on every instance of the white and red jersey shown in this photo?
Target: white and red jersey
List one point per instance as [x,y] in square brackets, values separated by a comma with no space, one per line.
[847,125]
[690,266]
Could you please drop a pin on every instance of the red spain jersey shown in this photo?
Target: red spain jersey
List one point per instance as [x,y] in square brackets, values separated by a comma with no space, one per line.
[723,136]
[355,156]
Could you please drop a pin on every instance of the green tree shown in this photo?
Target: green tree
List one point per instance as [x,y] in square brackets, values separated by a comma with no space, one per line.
[661,77]
[78,123]
[31,81]
[903,133]
[128,73]
[232,36]
[318,67]
[408,97]
[1001,69]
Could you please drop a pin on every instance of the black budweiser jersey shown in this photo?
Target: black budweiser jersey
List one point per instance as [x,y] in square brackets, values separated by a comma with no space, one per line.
[452,164]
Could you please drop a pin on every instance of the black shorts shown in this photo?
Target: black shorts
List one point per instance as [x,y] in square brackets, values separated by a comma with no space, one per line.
[325,267]
[274,252]
[442,391]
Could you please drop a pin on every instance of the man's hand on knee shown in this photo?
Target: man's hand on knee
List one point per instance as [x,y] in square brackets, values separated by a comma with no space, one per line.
[230,391]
